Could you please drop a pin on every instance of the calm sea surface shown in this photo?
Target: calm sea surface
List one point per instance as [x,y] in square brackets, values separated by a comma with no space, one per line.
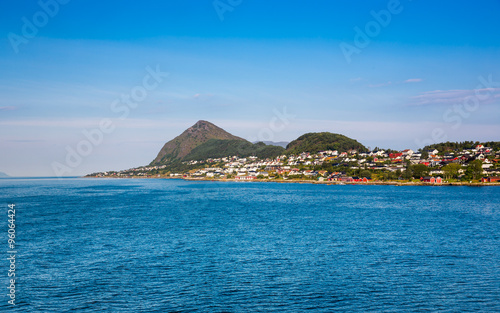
[98,245]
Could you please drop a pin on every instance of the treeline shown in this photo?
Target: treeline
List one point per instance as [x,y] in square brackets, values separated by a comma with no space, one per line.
[459,146]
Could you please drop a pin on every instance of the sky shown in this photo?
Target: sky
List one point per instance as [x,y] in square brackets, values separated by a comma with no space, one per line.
[88,86]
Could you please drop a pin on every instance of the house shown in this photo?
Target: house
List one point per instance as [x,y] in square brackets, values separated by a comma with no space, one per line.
[330,158]
[356,179]
[435,172]
[346,179]
[431,180]
[310,173]
[408,152]
[494,179]
[361,179]
[395,155]
[245,177]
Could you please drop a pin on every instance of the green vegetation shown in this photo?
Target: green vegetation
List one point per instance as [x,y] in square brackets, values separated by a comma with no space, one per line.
[316,142]
[365,173]
[217,148]
[419,170]
[451,170]
[459,146]
[474,170]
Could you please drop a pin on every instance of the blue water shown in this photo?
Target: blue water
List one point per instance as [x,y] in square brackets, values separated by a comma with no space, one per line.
[99,245]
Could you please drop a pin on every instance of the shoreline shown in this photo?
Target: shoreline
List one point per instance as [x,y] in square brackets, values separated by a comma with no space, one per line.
[373,183]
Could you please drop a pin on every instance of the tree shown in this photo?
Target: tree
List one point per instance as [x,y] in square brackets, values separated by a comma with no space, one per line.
[398,174]
[451,170]
[420,170]
[424,155]
[365,173]
[474,169]
[408,174]
[384,176]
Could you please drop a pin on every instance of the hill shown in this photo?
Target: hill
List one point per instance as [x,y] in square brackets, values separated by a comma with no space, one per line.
[3,175]
[315,142]
[217,148]
[182,145]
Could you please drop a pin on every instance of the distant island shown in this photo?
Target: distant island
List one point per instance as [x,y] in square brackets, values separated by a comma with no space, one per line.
[274,143]
[206,151]
[3,175]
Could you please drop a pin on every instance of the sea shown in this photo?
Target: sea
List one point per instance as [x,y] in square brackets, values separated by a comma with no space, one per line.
[166,245]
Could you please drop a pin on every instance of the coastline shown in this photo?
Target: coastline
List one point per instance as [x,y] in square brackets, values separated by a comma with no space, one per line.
[296,181]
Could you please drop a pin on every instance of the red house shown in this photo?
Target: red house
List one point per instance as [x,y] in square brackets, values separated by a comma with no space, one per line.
[245,177]
[360,179]
[490,179]
[395,155]
[431,180]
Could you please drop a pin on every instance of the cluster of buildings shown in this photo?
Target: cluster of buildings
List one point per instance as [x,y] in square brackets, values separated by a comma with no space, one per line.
[312,166]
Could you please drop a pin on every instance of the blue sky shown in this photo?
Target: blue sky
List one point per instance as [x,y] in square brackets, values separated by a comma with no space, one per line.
[427,71]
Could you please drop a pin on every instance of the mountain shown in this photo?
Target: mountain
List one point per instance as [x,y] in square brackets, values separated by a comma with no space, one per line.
[3,175]
[182,145]
[274,143]
[205,140]
[315,142]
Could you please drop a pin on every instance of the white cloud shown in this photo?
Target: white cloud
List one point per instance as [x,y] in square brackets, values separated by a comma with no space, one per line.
[485,95]
[413,80]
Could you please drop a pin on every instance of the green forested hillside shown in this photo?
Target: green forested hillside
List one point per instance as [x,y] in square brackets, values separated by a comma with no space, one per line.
[219,148]
[315,142]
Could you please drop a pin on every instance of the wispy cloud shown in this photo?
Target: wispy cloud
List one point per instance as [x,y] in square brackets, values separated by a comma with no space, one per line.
[454,96]
[380,85]
[410,80]
[200,96]
[7,108]
[413,80]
